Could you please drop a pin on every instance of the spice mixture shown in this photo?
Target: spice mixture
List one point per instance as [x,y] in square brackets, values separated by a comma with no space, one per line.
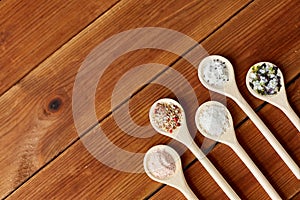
[161,164]
[215,73]
[167,117]
[265,79]
[213,120]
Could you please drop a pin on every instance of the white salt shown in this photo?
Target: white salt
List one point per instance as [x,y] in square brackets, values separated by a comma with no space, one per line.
[161,164]
[213,119]
[215,72]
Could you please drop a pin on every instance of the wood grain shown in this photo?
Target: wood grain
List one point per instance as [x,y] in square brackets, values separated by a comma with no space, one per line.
[32,131]
[77,170]
[297,196]
[32,31]
[55,127]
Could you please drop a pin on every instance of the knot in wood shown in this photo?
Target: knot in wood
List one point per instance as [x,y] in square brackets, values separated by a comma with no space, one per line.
[55,105]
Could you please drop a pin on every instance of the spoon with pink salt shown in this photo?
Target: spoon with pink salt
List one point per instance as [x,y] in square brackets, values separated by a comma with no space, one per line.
[162,164]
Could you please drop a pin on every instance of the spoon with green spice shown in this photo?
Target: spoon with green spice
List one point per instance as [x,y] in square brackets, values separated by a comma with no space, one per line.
[264,80]
[167,117]
[216,73]
[162,164]
[214,121]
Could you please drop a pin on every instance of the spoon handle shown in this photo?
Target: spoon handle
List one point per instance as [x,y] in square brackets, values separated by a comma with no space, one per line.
[186,191]
[255,171]
[290,113]
[213,171]
[238,98]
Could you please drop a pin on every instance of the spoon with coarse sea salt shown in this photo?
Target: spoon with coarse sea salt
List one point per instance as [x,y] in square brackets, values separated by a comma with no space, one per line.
[162,164]
[168,118]
[264,80]
[214,121]
[216,74]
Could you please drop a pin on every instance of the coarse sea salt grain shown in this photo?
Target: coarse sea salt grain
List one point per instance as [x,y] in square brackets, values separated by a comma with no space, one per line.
[213,120]
[167,117]
[215,72]
[161,164]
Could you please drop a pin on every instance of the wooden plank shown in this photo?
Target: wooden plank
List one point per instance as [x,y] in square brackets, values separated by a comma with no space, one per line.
[31,31]
[36,121]
[77,173]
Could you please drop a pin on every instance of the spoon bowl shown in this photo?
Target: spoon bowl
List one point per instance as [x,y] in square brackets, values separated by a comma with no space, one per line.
[227,136]
[279,99]
[230,89]
[225,87]
[176,179]
[182,134]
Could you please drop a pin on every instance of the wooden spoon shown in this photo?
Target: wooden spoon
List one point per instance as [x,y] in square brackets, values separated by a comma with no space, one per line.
[228,137]
[177,179]
[279,99]
[230,89]
[183,135]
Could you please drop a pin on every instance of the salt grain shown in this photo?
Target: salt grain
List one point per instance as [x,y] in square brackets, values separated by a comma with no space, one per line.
[215,72]
[213,119]
[167,117]
[161,164]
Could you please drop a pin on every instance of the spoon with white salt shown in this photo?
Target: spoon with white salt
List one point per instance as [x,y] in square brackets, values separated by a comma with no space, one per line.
[216,74]
[168,118]
[162,164]
[264,80]
[214,121]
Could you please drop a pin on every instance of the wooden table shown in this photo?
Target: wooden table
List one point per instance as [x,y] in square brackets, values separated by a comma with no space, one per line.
[44,43]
